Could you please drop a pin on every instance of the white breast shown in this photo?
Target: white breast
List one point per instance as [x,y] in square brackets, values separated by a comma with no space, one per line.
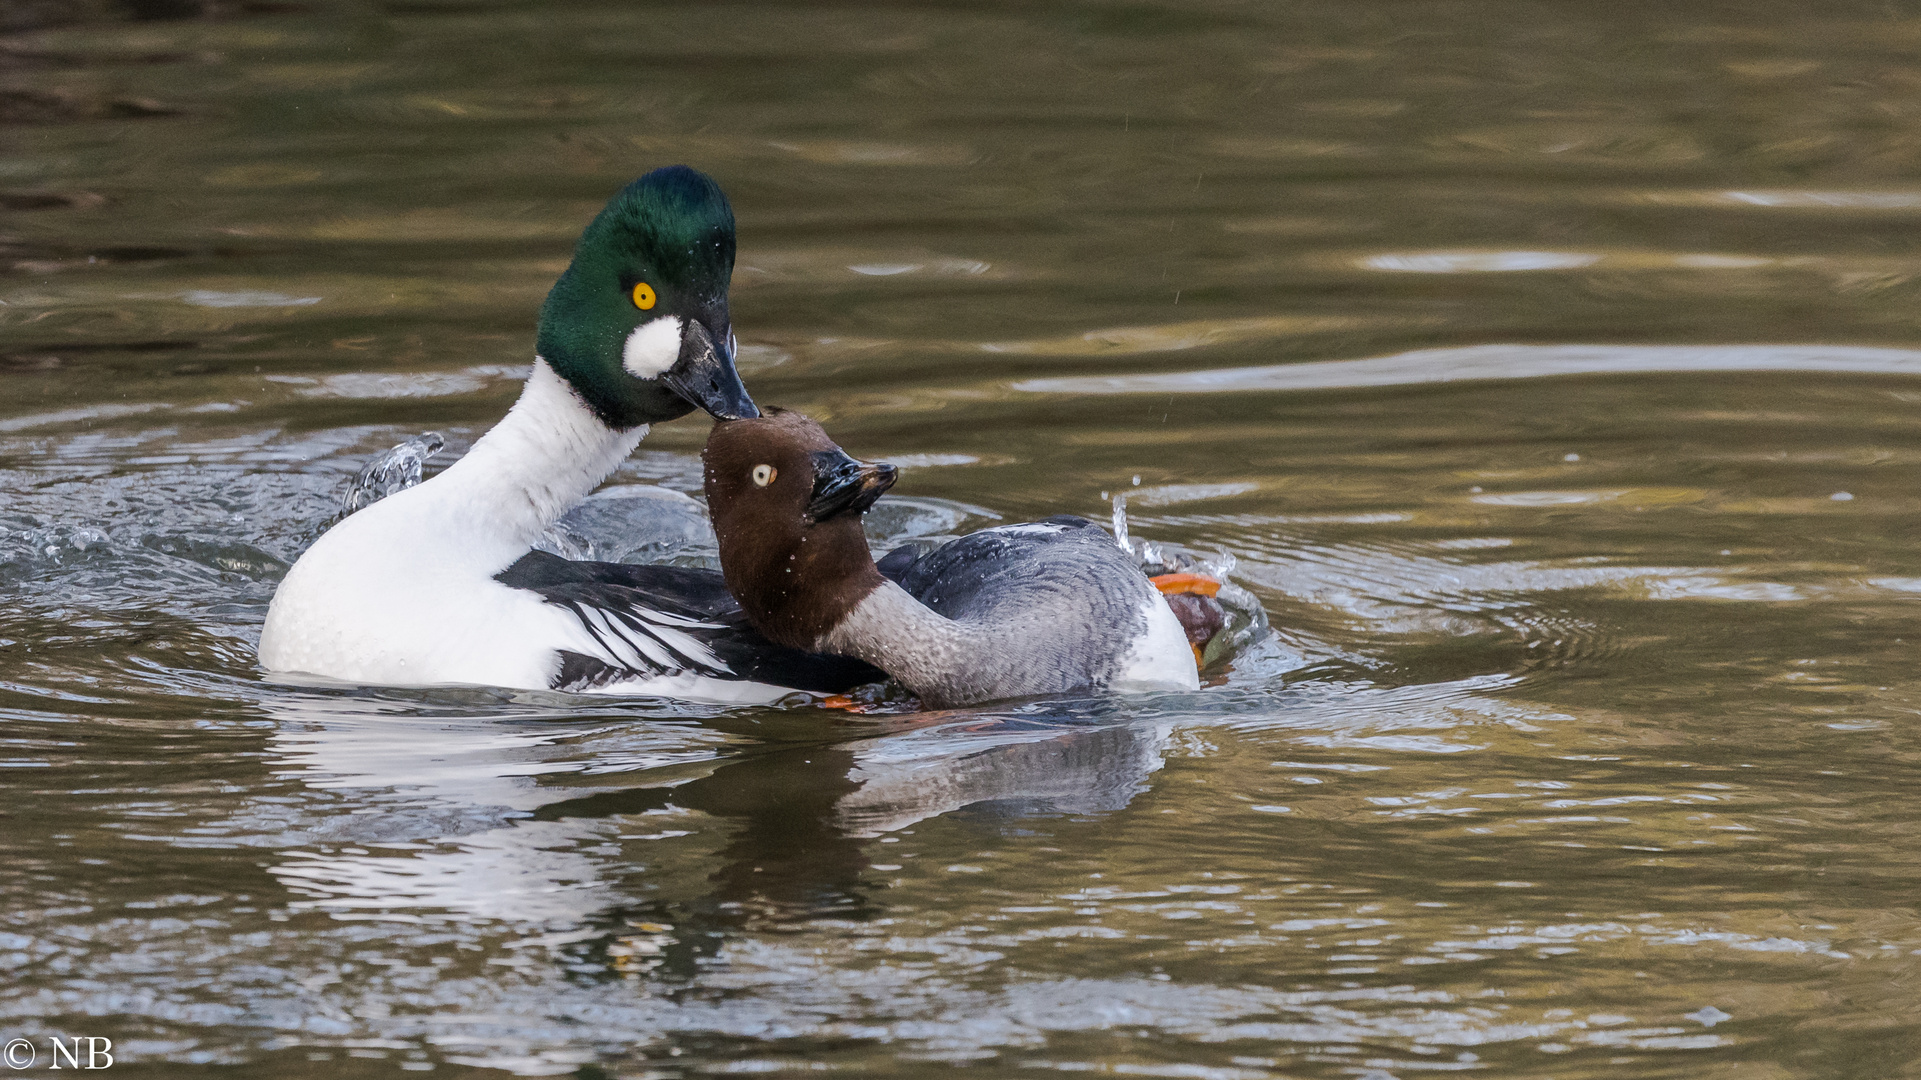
[391,596]
[403,592]
[1161,658]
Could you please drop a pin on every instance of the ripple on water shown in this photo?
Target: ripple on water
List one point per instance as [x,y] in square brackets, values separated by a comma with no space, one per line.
[1491,362]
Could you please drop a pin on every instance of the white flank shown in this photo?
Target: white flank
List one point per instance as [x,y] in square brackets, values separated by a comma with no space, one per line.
[688,686]
[403,592]
[1161,658]
[652,348]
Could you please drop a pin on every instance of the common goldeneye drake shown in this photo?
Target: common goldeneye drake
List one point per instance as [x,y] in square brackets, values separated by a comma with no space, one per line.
[1044,607]
[439,583]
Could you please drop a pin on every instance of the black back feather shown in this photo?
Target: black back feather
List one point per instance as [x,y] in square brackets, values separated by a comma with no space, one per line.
[629,601]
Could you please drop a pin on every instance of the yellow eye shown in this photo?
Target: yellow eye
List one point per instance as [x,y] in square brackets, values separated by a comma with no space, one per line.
[764,475]
[644,296]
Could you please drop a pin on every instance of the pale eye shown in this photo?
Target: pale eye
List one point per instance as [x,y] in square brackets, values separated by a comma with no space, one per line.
[764,475]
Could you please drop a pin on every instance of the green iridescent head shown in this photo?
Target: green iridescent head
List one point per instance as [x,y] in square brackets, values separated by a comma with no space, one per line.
[638,323]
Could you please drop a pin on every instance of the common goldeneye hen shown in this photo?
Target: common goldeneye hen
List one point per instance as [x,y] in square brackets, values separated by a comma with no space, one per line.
[1046,607]
[439,583]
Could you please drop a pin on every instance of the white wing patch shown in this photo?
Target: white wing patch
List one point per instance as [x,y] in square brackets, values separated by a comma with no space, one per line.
[701,655]
[648,643]
[652,348]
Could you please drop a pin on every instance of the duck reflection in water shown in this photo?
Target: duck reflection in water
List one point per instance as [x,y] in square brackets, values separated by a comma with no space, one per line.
[508,822]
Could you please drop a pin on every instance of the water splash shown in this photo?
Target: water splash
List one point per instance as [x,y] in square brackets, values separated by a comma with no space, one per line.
[1246,620]
[635,523]
[396,470]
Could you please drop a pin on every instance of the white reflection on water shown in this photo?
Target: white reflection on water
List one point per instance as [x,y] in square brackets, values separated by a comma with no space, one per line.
[1825,200]
[214,299]
[1171,494]
[1176,337]
[1489,362]
[409,384]
[917,775]
[533,872]
[459,817]
[1485,262]
[447,802]
[72,416]
[414,818]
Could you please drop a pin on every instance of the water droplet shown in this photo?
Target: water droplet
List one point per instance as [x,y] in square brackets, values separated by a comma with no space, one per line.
[1572,457]
[1841,496]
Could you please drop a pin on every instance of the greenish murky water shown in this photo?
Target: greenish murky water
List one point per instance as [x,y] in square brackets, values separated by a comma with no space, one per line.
[1552,372]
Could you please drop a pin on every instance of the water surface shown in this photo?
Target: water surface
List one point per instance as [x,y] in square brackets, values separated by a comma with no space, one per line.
[1550,372]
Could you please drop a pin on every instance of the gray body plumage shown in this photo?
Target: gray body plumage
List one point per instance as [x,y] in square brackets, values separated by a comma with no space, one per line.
[1047,607]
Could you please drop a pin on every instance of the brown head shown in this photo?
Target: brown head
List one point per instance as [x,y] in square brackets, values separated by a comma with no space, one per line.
[786,504]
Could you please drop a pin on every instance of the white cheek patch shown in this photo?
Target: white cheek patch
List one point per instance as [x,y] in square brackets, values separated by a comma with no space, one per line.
[652,348]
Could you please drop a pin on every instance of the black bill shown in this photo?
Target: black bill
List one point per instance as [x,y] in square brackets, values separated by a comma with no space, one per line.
[704,374]
[842,484]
